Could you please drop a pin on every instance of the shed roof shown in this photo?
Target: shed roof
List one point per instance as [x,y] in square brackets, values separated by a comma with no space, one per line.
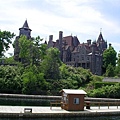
[71,91]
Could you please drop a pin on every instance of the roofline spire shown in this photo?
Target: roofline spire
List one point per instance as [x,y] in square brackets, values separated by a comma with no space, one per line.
[100,30]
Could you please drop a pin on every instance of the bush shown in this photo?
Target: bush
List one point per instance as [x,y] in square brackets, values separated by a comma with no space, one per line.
[107,91]
[101,84]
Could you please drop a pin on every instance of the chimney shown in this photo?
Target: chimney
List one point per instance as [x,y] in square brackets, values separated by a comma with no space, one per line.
[110,44]
[60,37]
[89,42]
[50,37]
[60,44]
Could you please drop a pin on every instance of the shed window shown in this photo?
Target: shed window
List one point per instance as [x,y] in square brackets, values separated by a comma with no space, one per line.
[76,100]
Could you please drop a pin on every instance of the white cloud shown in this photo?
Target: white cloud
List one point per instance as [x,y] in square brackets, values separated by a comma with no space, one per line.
[79,17]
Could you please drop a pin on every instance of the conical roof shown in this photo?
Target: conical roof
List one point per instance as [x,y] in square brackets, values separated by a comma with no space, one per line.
[25,26]
[100,38]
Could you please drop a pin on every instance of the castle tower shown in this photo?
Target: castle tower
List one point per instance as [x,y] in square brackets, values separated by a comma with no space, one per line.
[101,43]
[25,30]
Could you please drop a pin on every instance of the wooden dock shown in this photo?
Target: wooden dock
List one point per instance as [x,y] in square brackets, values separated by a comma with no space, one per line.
[46,112]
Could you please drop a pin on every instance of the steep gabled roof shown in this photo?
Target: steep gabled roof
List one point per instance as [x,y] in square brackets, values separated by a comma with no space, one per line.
[68,40]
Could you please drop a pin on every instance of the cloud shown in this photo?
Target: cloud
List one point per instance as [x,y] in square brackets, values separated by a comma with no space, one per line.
[83,18]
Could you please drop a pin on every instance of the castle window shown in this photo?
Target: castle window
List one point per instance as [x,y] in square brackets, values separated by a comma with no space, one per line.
[87,58]
[88,65]
[97,59]
[82,57]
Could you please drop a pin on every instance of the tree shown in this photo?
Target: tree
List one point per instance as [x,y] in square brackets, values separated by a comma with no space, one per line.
[117,70]
[109,57]
[110,71]
[33,81]
[31,51]
[51,63]
[38,50]
[5,41]
[25,46]
[10,79]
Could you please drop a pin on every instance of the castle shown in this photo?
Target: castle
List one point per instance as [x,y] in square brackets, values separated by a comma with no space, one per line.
[87,55]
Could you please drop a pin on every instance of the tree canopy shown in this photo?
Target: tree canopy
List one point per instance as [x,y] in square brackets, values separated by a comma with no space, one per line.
[32,51]
[109,57]
[51,63]
[5,41]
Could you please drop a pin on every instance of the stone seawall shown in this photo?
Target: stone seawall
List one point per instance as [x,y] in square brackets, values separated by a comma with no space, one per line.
[49,98]
[28,97]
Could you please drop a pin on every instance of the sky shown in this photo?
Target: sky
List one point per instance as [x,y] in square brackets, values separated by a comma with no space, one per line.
[82,18]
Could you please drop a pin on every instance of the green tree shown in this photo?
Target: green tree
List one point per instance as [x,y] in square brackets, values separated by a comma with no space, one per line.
[25,46]
[33,81]
[110,71]
[51,63]
[117,70]
[38,50]
[109,57]
[10,79]
[32,51]
[5,41]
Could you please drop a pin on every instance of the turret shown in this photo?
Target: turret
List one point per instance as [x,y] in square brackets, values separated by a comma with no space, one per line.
[25,30]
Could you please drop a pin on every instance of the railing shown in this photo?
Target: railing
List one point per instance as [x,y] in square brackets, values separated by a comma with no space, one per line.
[55,103]
[99,104]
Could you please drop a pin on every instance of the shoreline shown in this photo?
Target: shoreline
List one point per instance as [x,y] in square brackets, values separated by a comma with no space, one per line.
[56,115]
[55,112]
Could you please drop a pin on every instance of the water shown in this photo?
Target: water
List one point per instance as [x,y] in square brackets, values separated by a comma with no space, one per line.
[77,118]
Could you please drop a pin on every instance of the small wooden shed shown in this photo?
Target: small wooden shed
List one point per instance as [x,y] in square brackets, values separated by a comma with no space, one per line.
[72,99]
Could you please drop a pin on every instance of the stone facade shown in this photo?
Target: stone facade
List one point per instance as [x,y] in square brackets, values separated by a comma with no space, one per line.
[87,55]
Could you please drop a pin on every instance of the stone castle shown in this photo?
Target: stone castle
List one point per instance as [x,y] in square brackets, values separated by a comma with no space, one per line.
[87,55]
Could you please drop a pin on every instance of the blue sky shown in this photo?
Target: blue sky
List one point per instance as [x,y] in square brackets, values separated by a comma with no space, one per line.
[83,18]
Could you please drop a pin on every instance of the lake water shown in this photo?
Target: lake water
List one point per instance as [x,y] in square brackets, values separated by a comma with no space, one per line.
[79,118]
